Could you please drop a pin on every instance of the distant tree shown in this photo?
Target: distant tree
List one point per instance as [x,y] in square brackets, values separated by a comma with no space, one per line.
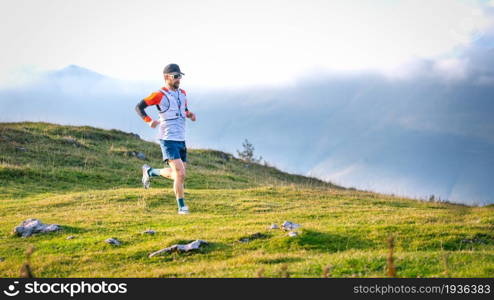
[247,154]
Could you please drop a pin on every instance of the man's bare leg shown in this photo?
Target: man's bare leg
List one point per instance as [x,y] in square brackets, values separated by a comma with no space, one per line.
[167,172]
[178,174]
[185,168]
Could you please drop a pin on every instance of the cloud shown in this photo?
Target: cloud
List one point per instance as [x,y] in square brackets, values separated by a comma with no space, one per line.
[256,42]
[451,68]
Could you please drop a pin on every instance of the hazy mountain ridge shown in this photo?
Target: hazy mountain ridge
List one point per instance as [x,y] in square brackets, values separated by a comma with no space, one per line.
[411,137]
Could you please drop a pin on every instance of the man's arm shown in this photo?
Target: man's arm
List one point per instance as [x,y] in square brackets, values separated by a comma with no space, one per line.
[188,113]
[152,99]
[140,109]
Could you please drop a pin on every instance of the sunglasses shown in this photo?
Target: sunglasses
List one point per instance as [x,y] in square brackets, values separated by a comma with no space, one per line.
[176,76]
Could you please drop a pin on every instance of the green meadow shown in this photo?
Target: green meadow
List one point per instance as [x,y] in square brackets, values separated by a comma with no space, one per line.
[88,181]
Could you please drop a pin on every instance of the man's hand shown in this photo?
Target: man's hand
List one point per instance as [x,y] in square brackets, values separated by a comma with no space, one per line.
[153,124]
[191,116]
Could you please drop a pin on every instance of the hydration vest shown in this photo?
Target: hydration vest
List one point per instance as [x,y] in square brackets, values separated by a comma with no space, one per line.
[170,108]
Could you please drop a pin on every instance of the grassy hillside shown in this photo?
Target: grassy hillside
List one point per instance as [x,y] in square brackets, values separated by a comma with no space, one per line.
[86,180]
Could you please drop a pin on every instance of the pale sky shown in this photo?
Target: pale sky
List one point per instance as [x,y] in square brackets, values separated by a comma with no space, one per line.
[233,43]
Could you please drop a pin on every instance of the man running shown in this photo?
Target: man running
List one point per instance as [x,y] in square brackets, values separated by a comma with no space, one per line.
[171,102]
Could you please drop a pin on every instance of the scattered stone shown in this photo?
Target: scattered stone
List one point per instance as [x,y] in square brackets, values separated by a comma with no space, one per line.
[71,141]
[139,155]
[195,245]
[113,241]
[2,259]
[149,231]
[292,234]
[274,226]
[473,241]
[32,226]
[251,237]
[22,149]
[70,237]
[287,225]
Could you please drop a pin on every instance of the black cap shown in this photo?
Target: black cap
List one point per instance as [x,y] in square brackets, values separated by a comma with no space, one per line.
[172,68]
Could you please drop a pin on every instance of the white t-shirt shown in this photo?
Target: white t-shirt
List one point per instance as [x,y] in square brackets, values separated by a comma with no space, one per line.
[173,130]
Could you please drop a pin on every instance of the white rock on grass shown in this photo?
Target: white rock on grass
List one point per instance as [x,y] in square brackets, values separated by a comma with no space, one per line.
[137,154]
[70,237]
[274,226]
[113,241]
[149,231]
[141,156]
[32,226]
[195,245]
[292,234]
[287,225]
